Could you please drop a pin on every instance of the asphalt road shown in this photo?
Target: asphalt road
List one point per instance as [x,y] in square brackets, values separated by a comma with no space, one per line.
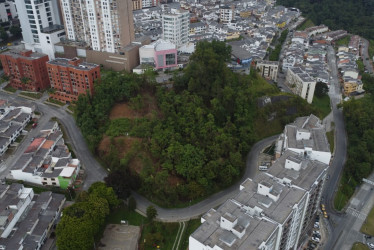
[365,55]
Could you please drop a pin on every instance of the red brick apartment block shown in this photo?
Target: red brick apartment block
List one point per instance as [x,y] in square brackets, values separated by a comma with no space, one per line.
[27,70]
[71,77]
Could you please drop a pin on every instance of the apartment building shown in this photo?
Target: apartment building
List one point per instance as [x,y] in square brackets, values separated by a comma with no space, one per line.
[26,219]
[27,70]
[272,211]
[104,25]
[71,77]
[268,69]
[8,10]
[137,4]
[47,160]
[301,83]
[41,25]
[149,3]
[226,14]
[175,26]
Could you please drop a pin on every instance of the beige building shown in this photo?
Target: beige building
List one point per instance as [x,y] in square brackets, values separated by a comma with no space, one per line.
[268,69]
[137,4]
[105,25]
[301,83]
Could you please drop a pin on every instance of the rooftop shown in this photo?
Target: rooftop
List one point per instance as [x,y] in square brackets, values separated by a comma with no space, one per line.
[64,62]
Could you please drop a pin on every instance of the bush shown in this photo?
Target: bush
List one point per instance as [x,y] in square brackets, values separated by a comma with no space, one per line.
[132,203]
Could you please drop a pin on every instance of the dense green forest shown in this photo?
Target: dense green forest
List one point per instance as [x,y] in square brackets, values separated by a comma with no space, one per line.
[355,16]
[359,121]
[195,140]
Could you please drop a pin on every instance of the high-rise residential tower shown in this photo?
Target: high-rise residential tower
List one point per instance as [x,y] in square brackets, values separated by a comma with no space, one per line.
[175,26]
[41,24]
[105,25]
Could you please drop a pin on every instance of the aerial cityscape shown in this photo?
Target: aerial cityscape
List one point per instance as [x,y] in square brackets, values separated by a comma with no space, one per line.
[186,124]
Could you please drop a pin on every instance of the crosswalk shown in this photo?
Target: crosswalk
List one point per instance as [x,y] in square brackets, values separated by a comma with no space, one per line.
[356,214]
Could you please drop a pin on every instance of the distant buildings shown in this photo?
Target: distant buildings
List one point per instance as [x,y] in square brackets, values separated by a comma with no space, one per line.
[268,69]
[301,83]
[47,160]
[27,70]
[274,210]
[26,219]
[226,14]
[175,26]
[71,77]
[103,25]
[41,25]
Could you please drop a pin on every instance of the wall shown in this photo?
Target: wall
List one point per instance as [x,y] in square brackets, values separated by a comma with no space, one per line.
[64,182]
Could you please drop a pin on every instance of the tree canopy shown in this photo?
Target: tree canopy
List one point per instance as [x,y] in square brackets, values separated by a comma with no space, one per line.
[351,15]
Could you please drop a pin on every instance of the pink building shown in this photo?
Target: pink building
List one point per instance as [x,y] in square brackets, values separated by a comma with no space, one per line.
[161,54]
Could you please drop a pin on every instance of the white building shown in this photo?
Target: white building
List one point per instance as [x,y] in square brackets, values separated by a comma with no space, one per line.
[268,69]
[226,14]
[41,25]
[175,26]
[8,11]
[272,211]
[301,83]
[105,25]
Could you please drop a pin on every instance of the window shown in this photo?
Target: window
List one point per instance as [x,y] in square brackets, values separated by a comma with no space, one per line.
[170,59]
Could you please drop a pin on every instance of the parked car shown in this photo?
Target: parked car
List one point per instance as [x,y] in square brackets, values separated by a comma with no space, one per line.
[317,236]
[371,245]
[316,232]
[315,239]
[34,124]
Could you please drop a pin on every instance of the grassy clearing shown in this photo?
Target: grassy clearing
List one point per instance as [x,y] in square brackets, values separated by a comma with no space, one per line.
[55,102]
[123,213]
[371,48]
[359,246]
[343,41]
[19,138]
[322,104]
[360,65]
[307,24]
[330,138]
[10,89]
[34,95]
[191,226]
[368,226]
[341,198]
[71,108]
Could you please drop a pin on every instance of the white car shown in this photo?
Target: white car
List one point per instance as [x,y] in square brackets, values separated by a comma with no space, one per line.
[316,226]
[371,245]
[316,232]
[315,239]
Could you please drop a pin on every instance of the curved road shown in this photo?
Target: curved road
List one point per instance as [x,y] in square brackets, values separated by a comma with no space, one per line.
[94,171]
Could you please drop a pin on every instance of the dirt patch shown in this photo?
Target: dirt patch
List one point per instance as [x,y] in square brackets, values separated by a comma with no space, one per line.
[122,143]
[175,181]
[136,164]
[125,109]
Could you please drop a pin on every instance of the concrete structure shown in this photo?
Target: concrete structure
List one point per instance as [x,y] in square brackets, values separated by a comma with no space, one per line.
[47,160]
[272,211]
[41,25]
[268,69]
[160,54]
[26,70]
[71,77]
[226,14]
[104,25]
[8,11]
[306,136]
[175,26]
[301,83]
[126,60]
[35,216]
[121,237]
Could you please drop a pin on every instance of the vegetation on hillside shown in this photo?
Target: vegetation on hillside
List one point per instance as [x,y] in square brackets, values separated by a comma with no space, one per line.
[274,54]
[194,140]
[354,16]
[359,123]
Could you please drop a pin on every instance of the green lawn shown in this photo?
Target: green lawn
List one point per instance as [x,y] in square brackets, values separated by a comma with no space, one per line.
[371,49]
[71,108]
[368,226]
[340,199]
[322,104]
[330,138]
[360,65]
[10,89]
[55,102]
[359,246]
[343,41]
[123,213]
[191,226]
[307,24]
[34,95]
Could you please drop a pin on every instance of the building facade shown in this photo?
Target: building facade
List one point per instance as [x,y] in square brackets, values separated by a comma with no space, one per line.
[137,4]
[8,11]
[301,83]
[71,77]
[160,54]
[41,25]
[226,14]
[175,26]
[149,3]
[268,69]
[27,70]
[104,25]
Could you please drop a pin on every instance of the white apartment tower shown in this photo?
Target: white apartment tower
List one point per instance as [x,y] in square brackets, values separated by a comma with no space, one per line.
[105,25]
[41,25]
[175,26]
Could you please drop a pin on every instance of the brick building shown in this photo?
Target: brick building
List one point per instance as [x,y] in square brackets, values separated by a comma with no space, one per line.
[27,70]
[71,77]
